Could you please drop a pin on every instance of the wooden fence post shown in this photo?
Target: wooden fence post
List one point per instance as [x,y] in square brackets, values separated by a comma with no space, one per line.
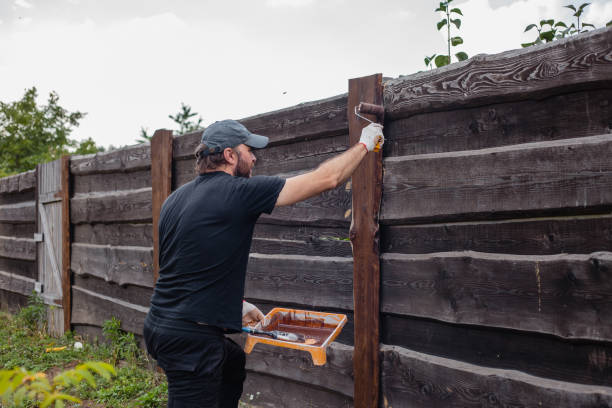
[66,243]
[161,183]
[364,234]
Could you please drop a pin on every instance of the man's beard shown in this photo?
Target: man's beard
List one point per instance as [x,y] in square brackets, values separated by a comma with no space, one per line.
[242,169]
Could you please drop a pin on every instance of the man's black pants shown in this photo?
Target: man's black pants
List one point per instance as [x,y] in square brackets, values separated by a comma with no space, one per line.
[203,367]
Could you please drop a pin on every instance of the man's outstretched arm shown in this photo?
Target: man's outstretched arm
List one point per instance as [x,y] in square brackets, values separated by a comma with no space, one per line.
[331,173]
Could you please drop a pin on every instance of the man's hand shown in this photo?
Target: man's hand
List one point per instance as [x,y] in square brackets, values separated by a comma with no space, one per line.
[371,135]
[250,314]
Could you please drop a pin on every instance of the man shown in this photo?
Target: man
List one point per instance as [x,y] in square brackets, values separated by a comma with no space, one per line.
[205,231]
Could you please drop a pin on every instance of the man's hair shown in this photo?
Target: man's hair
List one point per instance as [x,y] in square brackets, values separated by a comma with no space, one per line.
[208,162]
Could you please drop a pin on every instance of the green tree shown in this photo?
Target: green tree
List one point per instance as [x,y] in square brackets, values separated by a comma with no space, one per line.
[448,14]
[32,134]
[183,118]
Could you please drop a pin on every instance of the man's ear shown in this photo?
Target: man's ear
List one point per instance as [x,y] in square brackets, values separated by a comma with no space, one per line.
[230,156]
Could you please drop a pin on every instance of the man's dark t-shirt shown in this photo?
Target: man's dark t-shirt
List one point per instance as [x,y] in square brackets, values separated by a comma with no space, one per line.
[205,231]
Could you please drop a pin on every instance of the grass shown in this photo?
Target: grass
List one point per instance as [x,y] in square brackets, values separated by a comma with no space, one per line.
[24,342]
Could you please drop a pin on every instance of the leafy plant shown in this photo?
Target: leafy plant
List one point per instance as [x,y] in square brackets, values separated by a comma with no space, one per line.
[549,30]
[34,315]
[123,344]
[451,16]
[19,385]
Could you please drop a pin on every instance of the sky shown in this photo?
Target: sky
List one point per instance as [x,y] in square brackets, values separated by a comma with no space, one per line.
[130,63]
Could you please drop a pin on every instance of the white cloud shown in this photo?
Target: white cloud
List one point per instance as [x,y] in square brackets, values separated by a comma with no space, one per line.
[598,14]
[23,3]
[289,3]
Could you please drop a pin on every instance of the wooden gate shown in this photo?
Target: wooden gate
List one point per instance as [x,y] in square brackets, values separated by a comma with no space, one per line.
[52,207]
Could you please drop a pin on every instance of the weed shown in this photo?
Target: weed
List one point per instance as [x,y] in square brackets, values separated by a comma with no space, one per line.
[123,344]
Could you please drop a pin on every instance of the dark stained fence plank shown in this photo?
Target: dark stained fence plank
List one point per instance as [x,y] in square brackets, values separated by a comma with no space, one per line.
[184,146]
[296,365]
[304,155]
[120,265]
[18,248]
[66,192]
[182,171]
[575,63]
[127,159]
[310,120]
[411,379]
[301,240]
[325,117]
[25,230]
[261,390]
[329,209]
[129,293]
[12,302]
[577,114]
[114,234]
[541,355]
[19,182]
[543,176]
[18,213]
[112,182]
[18,197]
[303,280]
[543,236]
[19,267]
[569,296]
[120,206]
[93,309]
[16,283]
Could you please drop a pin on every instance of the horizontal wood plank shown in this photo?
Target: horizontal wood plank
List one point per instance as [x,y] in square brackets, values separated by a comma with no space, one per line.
[182,172]
[18,197]
[296,365]
[304,155]
[301,240]
[412,379]
[18,248]
[544,236]
[119,206]
[304,280]
[569,296]
[19,267]
[25,181]
[575,63]
[18,213]
[577,114]
[88,183]
[546,356]
[93,309]
[126,159]
[563,175]
[23,230]
[310,120]
[261,390]
[12,302]
[14,283]
[114,234]
[129,293]
[121,265]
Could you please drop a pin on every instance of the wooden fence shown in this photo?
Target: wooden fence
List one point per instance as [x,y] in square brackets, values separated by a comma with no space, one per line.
[493,285]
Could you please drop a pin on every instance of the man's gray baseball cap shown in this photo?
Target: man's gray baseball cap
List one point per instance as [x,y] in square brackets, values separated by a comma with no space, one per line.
[229,133]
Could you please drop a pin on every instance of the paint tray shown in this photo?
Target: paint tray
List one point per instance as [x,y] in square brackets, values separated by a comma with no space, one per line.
[319,329]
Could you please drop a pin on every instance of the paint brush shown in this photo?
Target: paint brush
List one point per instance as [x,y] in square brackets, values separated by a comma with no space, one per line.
[276,334]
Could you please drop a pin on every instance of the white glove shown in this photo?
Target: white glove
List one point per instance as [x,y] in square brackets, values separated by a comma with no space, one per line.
[250,314]
[371,135]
